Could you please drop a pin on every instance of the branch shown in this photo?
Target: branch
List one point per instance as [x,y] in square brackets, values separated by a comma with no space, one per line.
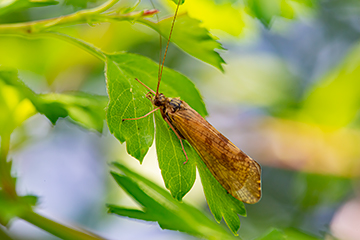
[3,235]
[77,42]
[104,7]
[57,229]
[95,15]
[6,181]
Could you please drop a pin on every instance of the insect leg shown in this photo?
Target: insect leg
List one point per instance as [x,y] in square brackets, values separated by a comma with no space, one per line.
[125,119]
[177,134]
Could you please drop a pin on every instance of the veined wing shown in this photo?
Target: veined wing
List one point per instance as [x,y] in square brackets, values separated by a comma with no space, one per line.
[239,174]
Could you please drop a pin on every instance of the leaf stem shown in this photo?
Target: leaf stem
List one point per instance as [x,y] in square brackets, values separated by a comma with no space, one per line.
[5,145]
[57,229]
[97,52]
[6,181]
[4,236]
[95,15]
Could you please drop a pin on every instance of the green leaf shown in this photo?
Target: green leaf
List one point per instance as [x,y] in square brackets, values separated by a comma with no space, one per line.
[14,106]
[221,204]
[84,109]
[158,205]
[51,111]
[224,15]
[178,177]
[15,5]
[127,98]
[191,38]
[177,1]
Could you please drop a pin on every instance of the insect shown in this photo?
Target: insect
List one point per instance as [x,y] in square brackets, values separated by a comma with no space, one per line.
[238,173]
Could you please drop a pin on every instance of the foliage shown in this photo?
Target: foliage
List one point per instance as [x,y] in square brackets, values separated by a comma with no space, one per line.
[266,11]
[191,38]
[84,109]
[158,205]
[126,98]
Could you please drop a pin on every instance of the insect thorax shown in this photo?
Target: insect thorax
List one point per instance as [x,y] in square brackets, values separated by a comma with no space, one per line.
[175,104]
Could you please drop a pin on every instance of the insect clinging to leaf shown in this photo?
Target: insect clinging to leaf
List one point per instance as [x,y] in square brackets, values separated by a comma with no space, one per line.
[238,173]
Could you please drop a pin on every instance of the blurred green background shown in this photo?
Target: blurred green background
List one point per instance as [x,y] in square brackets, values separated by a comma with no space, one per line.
[289,97]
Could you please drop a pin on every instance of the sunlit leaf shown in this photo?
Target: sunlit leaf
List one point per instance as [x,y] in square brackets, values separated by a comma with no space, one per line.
[220,15]
[177,1]
[127,98]
[191,38]
[14,106]
[221,204]
[157,205]
[178,177]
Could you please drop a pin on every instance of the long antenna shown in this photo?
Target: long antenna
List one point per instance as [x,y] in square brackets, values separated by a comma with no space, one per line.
[167,46]
[160,40]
